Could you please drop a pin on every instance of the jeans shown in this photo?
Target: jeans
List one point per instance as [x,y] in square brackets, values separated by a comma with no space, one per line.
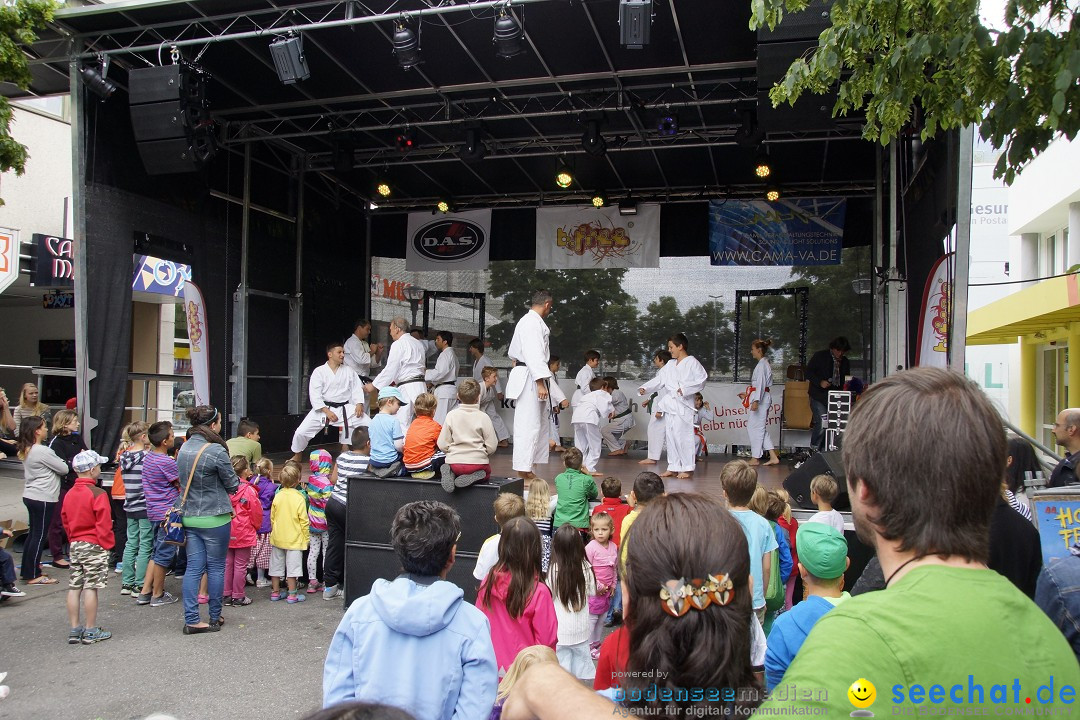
[137,550]
[206,551]
[616,603]
[334,562]
[56,536]
[41,515]
[818,410]
[7,568]
[1058,594]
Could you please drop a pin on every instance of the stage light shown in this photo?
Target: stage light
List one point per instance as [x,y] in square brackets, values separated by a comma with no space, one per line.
[668,126]
[442,206]
[383,188]
[406,45]
[289,60]
[406,140]
[762,165]
[592,141]
[635,23]
[508,35]
[599,199]
[628,206]
[473,148]
[95,80]
[772,193]
[563,177]
[352,9]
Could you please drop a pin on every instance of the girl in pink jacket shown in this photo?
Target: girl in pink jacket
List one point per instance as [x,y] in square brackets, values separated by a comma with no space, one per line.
[247,518]
[514,597]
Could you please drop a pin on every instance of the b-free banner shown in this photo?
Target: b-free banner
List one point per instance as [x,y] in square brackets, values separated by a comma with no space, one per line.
[803,231]
[590,238]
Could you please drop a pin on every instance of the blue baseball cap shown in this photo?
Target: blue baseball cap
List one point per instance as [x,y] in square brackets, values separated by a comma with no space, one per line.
[393,392]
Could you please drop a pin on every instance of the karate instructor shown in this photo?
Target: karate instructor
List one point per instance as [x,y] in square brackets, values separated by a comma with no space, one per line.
[405,366]
[528,386]
[335,394]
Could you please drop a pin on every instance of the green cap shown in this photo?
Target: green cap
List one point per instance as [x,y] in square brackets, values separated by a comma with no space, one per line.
[822,550]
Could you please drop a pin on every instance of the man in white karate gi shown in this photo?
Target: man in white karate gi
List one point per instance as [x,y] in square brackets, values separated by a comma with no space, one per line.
[528,386]
[443,377]
[359,354]
[404,368]
[681,378]
[337,398]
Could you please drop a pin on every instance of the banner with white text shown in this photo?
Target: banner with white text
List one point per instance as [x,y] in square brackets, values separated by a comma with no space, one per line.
[454,241]
[802,231]
[590,238]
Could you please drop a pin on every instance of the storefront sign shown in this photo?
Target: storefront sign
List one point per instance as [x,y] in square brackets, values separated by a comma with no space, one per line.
[9,257]
[57,300]
[54,261]
[163,277]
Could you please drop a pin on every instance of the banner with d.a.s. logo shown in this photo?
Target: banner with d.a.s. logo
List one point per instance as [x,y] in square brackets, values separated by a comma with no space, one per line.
[589,238]
[456,241]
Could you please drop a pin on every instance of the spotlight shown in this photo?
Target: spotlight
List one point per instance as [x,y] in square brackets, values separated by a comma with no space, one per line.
[635,23]
[406,45]
[762,165]
[289,60]
[406,140]
[563,177]
[382,187]
[628,206]
[592,141]
[599,199]
[508,35]
[668,126]
[473,150]
[95,80]
[445,206]
[772,193]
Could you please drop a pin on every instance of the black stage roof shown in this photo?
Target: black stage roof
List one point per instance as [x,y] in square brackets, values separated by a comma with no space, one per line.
[701,66]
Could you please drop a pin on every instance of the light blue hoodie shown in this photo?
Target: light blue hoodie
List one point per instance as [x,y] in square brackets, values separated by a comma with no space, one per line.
[414,643]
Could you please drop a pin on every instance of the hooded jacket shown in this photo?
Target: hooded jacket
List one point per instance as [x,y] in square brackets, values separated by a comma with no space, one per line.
[247,516]
[536,626]
[788,633]
[414,643]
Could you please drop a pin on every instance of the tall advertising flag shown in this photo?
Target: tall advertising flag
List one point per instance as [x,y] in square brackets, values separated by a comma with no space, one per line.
[933,346]
[198,337]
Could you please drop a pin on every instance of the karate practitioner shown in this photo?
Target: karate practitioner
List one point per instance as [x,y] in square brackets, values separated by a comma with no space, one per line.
[480,362]
[528,386]
[585,375]
[335,394]
[443,377]
[592,409]
[404,368]
[620,423]
[359,355]
[430,350]
[656,420]
[757,400]
[682,376]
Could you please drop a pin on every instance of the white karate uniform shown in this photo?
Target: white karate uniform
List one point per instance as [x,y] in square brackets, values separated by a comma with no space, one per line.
[681,380]
[657,428]
[489,403]
[532,425]
[757,420]
[591,410]
[325,387]
[405,361]
[358,355]
[557,398]
[581,381]
[445,371]
[619,425]
[478,372]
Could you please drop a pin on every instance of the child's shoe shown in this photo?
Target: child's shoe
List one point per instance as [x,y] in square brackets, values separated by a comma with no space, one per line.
[295,598]
[93,635]
[275,596]
[128,590]
[75,636]
[119,568]
[262,583]
[331,592]
[314,587]
[204,599]
[11,591]
[240,602]
[447,478]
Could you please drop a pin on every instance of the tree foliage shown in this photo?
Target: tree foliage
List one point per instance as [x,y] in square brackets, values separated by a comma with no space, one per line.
[19,21]
[933,65]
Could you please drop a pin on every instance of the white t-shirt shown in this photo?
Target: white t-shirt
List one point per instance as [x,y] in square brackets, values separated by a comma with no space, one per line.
[489,555]
[832,517]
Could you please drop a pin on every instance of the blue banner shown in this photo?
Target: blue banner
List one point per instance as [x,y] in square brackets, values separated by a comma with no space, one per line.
[163,277]
[803,231]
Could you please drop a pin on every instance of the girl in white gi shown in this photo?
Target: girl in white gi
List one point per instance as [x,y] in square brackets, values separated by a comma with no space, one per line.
[681,377]
[656,420]
[760,399]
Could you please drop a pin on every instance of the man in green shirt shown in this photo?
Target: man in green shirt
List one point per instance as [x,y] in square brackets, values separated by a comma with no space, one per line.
[246,442]
[924,455]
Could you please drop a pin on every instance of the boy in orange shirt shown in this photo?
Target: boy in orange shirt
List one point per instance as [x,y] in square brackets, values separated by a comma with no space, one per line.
[422,456]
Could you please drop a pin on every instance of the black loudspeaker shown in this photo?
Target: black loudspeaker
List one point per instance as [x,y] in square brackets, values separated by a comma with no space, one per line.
[804,25]
[173,130]
[364,564]
[824,463]
[373,502]
[810,111]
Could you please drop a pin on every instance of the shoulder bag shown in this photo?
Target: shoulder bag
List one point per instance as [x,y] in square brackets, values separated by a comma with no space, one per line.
[174,521]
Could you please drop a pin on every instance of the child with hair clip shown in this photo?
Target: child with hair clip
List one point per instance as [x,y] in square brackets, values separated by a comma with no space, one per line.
[532,655]
[538,509]
[247,518]
[264,485]
[514,597]
[573,588]
[602,554]
[317,490]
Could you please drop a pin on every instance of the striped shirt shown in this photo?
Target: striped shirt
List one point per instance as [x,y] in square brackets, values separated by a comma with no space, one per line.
[159,485]
[349,464]
[131,470]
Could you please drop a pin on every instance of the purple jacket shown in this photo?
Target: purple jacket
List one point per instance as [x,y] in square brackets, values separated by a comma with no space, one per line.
[266,489]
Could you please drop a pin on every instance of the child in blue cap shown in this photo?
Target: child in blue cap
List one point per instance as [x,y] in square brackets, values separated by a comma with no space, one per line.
[387,438]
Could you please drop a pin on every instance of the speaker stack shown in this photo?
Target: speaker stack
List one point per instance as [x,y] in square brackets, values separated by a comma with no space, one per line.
[372,504]
[823,463]
[794,37]
[173,129]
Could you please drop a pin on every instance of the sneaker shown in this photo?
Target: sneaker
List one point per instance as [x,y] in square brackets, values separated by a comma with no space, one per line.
[263,583]
[275,596]
[314,588]
[119,568]
[75,636]
[165,598]
[143,599]
[469,478]
[12,591]
[330,592]
[226,602]
[296,598]
[93,635]
[423,475]
[128,590]
[241,602]
[447,478]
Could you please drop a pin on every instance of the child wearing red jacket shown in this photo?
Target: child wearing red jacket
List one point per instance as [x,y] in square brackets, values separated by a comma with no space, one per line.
[87,519]
[247,519]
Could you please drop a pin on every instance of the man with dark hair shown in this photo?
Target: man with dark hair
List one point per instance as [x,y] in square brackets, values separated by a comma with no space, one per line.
[443,377]
[826,371]
[1067,435]
[528,386]
[924,455]
[414,643]
[336,394]
[360,355]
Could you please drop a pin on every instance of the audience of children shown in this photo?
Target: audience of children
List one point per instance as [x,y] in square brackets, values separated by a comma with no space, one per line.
[573,588]
[288,535]
[246,522]
[823,491]
[538,508]
[264,485]
[506,506]
[317,490]
[468,439]
[592,408]
[421,454]
[574,489]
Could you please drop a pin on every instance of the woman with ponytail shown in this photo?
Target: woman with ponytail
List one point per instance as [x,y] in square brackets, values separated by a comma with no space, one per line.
[207,514]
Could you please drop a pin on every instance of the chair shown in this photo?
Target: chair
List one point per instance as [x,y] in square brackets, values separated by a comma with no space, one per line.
[796,416]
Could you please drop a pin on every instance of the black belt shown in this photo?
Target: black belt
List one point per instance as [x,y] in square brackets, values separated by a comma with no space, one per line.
[624,413]
[344,414]
[451,384]
[410,381]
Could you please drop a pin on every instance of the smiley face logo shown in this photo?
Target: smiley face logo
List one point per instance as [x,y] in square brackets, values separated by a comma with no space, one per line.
[862,694]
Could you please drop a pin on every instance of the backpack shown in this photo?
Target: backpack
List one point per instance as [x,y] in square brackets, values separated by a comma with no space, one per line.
[774,586]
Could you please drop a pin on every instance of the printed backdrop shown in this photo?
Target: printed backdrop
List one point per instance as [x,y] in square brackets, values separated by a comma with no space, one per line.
[454,241]
[589,238]
[804,231]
